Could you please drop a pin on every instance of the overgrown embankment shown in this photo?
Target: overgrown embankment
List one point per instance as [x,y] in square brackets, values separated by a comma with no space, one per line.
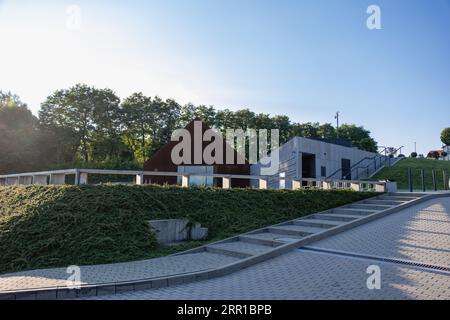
[55,226]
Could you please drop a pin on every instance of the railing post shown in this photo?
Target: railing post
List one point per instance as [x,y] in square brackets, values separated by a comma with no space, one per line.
[226,182]
[410,180]
[444,178]
[185,181]
[262,184]
[433,174]
[422,174]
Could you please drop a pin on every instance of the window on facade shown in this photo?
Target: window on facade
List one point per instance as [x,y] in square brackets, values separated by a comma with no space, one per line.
[282,180]
[323,171]
[198,180]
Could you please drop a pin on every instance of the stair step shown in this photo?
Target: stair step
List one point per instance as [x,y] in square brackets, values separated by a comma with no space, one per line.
[268,238]
[350,211]
[336,217]
[366,206]
[397,198]
[387,202]
[292,229]
[239,249]
[318,223]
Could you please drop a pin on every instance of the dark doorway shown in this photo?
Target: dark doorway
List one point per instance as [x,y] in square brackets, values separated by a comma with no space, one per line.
[308,165]
[346,169]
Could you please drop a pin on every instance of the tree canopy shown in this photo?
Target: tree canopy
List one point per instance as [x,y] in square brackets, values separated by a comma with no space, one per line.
[445,136]
[92,127]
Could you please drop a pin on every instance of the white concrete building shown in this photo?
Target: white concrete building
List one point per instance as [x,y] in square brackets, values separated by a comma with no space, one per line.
[313,158]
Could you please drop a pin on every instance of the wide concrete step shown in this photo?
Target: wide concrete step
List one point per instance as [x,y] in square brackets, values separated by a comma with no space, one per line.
[269,239]
[377,207]
[350,211]
[384,202]
[398,198]
[318,223]
[336,217]
[295,230]
[238,249]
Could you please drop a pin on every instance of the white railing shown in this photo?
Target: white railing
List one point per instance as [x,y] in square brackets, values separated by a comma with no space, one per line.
[58,177]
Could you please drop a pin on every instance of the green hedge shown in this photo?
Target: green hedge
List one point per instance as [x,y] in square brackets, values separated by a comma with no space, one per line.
[51,226]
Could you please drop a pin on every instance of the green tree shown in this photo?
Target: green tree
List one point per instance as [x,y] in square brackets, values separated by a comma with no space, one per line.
[359,137]
[445,136]
[139,122]
[93,115]
[18,133]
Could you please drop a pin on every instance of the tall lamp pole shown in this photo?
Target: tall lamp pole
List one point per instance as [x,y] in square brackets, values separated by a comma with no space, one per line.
[337,123]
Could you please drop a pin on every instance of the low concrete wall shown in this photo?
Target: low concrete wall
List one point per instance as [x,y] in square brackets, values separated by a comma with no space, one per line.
[176,230]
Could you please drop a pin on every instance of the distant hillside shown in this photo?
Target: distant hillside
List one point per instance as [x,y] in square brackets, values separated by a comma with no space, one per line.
[399,173]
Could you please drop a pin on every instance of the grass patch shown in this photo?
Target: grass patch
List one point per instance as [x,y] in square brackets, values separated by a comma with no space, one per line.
[57,226]
[399,173]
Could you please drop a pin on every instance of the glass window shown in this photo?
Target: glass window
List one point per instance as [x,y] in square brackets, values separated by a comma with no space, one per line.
[198,180]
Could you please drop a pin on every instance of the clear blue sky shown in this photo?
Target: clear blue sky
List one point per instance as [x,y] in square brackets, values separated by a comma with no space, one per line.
[305,59]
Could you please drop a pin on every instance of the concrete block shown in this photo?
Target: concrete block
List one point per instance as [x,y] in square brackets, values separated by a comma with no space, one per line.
[263,184]
[296,185]
[139,179]
[185,181]
[198,233]
[170,230]
[391,186]
[226,183]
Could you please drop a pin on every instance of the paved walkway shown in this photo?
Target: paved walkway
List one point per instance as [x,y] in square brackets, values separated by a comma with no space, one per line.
[420,234]
[118,272]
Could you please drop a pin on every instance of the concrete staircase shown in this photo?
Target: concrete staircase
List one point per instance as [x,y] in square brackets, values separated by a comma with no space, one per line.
[268,239]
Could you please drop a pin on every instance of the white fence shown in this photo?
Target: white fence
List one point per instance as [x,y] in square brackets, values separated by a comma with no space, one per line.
[82,177]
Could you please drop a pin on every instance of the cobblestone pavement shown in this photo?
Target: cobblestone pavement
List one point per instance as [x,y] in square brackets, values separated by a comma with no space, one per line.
[115,272]
[420,233]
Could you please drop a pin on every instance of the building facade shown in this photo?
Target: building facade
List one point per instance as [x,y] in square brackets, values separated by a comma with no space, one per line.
[322,159]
